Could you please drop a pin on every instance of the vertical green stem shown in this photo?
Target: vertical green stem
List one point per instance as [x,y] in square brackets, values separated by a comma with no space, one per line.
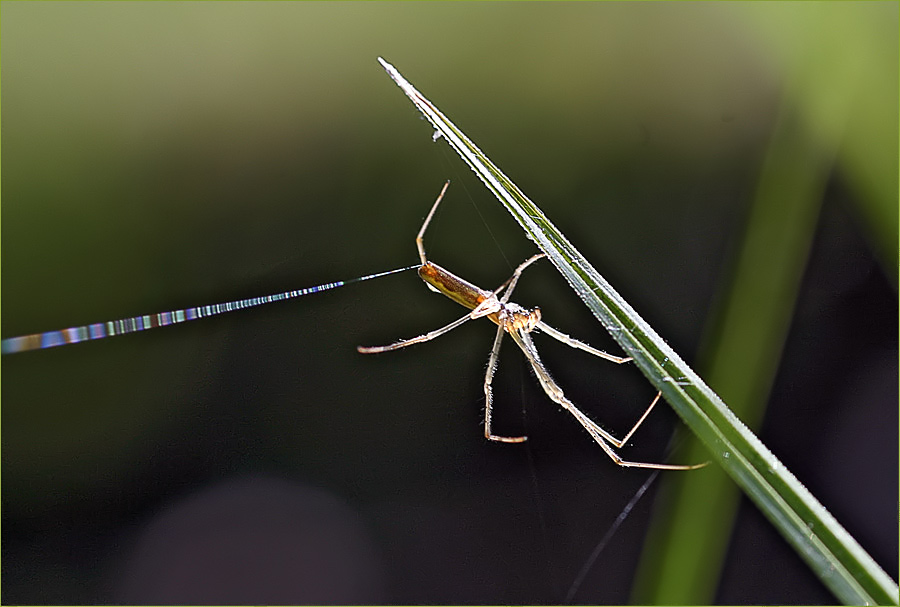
[687,544]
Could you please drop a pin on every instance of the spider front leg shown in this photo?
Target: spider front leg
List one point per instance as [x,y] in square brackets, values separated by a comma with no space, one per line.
[488,393]
[491,306]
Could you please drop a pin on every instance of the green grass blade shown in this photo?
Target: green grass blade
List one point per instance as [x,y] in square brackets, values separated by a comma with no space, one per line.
[686,546]
[836,116]
[820,540]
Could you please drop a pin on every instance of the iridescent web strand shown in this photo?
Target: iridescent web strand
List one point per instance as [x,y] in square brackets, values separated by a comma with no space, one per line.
[74,335]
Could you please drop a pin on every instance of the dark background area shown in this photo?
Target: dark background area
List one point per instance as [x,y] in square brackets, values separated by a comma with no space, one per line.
[159,156]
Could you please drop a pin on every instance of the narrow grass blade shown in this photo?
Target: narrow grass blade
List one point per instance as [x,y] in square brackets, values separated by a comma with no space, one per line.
[820,540]
[686,545]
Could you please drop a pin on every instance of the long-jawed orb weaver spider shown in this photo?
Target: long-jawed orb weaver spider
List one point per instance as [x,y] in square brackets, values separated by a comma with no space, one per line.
[519,323]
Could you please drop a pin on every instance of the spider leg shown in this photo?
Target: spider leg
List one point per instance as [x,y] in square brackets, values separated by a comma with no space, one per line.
[420,237]
[488,393]
[510,283]
[600,436]
[415,340]
[574,343]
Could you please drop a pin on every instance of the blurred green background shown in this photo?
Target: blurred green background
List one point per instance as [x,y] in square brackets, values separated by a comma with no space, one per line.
[163,155]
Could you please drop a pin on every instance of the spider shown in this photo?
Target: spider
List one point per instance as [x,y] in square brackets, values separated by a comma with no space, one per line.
[519,323]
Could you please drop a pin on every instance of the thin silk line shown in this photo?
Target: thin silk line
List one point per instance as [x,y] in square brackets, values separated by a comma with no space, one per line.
[74,335]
